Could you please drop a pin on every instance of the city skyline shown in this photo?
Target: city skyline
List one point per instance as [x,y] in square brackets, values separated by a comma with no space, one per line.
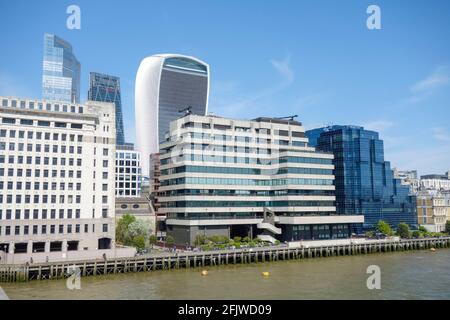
[391,80]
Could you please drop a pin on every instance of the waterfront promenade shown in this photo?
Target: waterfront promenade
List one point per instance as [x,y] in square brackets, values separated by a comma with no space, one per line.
[189,259]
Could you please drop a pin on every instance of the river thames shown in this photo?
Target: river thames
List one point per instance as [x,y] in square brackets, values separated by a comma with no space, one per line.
[404,275]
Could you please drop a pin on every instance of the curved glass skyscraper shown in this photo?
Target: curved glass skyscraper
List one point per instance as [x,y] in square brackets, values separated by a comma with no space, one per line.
[61,71]
[166,83]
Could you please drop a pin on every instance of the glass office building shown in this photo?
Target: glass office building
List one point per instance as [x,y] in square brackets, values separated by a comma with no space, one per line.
[106,88]
[166,84]
[365,183]
[61,71]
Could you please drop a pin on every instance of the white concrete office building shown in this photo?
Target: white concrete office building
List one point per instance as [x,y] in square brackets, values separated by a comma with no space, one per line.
[128,171]
[166,84]
[57,163]
[254,178]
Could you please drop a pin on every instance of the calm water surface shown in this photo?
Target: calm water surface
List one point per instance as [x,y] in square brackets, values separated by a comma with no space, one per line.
[406,275]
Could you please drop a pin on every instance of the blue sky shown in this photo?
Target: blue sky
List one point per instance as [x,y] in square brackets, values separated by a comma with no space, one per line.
[316,59]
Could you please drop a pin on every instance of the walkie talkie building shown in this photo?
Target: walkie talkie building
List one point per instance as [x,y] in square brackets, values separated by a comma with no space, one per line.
[165,84]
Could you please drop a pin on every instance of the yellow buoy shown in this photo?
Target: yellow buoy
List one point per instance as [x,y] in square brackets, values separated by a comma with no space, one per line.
[204,273]
[265,274]
[432,249]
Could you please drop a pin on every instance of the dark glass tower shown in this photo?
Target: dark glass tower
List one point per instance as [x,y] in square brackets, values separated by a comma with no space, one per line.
[365,183]
[106,88]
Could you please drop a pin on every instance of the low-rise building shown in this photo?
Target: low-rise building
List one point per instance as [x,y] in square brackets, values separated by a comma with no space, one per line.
[433,210]
[139,207]
[438,182]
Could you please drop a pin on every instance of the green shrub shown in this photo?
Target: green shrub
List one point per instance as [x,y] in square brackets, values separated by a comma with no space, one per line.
[139,242]
[417,234]
[170,240]
[384,227]
[153,239]
[403,231]
[200,239]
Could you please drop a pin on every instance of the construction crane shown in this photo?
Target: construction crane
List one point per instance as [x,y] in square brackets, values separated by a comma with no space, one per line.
[290,118]
[187,110]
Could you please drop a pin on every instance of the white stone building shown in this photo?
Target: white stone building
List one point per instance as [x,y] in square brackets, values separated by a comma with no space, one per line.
[57,174]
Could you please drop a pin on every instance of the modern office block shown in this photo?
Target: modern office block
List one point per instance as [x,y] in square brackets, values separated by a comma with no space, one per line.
[365,183]
[128,171]
[254,178]
[61,71]
[106,88]
[165,84]
[56,176]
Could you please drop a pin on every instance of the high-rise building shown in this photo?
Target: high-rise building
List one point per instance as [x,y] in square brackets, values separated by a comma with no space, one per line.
[106,88]
[128,171]
[364,180]
[56,178]
[254,178]
[61,71]
[165,84]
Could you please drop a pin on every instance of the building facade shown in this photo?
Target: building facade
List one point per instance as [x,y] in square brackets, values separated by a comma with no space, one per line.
[432,210]
[436,182]
[139,207]
[166,84]
[128,171]
[106,88]
[56,176]
[247,178]
[364,180]
[61,71]
[408,178]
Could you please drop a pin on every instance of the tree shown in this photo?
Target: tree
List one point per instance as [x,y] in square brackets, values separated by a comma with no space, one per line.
[122,227]
[139,242]
[403,230]
[447,227]
[170,240]
[153,240]
[384,227]
[138,228]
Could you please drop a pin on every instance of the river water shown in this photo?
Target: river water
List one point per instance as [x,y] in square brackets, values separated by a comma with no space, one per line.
[404,275]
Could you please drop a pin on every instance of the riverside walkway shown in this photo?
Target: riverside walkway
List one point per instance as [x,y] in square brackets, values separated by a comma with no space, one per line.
[167,261]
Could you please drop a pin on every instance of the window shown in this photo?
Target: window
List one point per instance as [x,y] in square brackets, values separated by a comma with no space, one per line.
[9,120]
[26,122]
[44,123]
